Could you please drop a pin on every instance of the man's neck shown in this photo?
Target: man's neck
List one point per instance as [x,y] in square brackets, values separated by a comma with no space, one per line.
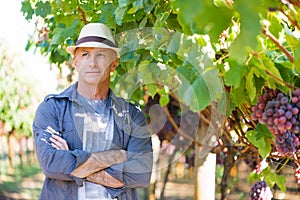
[93,92]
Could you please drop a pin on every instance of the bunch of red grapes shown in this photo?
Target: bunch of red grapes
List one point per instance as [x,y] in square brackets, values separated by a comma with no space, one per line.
[281,114]
[261,191]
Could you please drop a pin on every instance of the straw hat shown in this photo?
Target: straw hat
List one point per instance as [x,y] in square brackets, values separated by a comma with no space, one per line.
[95,35]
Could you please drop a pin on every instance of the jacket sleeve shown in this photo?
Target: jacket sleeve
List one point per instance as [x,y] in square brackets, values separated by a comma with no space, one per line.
[136,171]
[55,164]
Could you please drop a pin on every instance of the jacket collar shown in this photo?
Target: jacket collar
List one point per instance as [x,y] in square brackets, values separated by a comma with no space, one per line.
[71,94]
[119,106]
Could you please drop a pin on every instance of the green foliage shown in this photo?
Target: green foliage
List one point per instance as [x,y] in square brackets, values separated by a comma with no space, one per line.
[272,179]
[261,137]
[16,94]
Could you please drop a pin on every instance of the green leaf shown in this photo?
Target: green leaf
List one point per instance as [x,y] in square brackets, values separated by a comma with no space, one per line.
[152,89]
[119,14]
[196,95]
[271,178]
[187,73]
[275,27]
[297,59]
[234,74]
[107,14]
[239,95]
[123,3]
[214,83]
[164,99]
[292,40]
[143,22]
[174,43]
[270,68]
[144,70]
[263,132]
[250,85]
[250,20]
[27,10]
[201,19]
[43,9]
[260,137]
[58,36]
[253,176]
[58,56]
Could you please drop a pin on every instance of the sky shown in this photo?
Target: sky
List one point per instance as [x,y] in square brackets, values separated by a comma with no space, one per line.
[14,33]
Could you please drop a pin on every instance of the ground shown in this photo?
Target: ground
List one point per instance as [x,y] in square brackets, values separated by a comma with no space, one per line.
[24,182]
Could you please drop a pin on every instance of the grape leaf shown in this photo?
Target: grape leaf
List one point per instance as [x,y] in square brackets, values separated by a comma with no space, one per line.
[119,14]
[27,10]
[275,27]
[238,95]
[164,99]
[197,96]
[250,20]
[263,132]
[152,89]
[272,178]
[260,138]
[214,83]
[234,75]
[250,85]
[123,3]
[107,15]
[202,19]
[297,59]
[43,9]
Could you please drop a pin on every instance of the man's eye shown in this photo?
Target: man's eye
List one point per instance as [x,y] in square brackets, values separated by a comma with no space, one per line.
[100,54]
[84,54]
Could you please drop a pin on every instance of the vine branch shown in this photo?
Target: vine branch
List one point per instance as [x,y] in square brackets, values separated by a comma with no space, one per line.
[83,17]
[178,130]
[279,80]
[267,33]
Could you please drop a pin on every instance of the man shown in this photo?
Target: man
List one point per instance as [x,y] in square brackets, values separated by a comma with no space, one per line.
[91,144]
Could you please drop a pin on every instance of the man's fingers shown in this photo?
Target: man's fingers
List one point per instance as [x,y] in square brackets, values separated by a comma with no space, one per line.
[59,143]
[55,146]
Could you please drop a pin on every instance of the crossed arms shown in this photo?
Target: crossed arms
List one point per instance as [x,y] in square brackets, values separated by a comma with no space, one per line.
[66,162]
[92,168]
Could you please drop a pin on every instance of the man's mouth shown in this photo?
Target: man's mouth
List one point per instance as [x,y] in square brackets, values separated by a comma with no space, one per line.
[93,72]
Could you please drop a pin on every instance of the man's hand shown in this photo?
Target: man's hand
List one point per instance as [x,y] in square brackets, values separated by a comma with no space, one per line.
[98,161]
[58,142]
[103,178]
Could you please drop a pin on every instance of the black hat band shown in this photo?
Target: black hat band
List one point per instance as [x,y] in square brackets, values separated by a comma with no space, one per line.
[96,39]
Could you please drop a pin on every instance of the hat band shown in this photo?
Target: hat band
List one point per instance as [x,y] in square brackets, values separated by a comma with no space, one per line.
[95,39]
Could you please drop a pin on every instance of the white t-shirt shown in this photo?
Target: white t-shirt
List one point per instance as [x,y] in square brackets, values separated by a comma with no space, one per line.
[96,135]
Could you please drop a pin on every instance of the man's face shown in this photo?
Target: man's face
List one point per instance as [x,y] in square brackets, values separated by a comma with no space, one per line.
[94,64]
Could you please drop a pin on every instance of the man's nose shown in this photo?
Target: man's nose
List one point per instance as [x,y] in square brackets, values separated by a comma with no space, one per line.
[93,61]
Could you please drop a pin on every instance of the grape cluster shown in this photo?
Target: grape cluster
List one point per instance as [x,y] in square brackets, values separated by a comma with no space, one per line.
[260,191]
[281,114]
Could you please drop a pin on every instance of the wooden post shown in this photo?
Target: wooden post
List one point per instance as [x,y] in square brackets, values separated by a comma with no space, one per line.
[205,167]
[206,178]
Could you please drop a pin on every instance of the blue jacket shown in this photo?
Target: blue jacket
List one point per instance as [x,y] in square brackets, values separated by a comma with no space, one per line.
[130,133]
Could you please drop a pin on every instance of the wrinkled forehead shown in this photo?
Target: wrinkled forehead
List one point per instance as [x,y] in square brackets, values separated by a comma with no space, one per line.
[94,49]
[110,52]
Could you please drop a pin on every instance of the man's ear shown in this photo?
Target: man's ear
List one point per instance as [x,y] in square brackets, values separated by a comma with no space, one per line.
[74,63]
[114,64]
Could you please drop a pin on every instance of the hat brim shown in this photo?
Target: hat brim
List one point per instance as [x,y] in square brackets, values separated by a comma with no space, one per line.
[71,49]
